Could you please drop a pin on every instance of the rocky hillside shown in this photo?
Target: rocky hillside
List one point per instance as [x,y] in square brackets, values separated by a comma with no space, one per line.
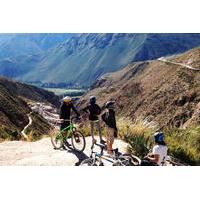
[82,58]
[166,93]
[14,107]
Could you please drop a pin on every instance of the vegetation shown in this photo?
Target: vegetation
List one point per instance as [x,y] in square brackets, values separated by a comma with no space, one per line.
[137,133]
[66,92]
[183,144]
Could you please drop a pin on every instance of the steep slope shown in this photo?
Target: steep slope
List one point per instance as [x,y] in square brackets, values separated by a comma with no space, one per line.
[16,44]
[14,107]
[167,93]
[84,58]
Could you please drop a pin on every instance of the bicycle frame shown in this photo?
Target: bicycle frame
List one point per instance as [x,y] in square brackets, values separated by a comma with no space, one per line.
[69,129]
[99,156]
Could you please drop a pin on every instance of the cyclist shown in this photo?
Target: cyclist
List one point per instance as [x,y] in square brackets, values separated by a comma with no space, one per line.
[159,153]
[65,112]
[111,129]
[94,111]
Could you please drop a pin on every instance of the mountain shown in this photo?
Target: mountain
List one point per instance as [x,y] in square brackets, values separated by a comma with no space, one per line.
[82,58]
[16,44]
[165,92]
[14,108]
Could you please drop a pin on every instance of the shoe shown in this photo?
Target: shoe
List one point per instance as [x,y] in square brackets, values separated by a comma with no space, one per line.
[77,139]
[67,144]
[103,142]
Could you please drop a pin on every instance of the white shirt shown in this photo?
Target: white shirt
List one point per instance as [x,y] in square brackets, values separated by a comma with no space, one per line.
[161,150]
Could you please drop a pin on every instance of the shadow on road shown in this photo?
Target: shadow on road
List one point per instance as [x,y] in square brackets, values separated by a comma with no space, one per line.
[80,155]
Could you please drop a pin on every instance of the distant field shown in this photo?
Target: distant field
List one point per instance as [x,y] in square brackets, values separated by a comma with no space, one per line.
[66,92]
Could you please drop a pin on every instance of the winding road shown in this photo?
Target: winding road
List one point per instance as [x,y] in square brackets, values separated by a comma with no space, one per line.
[29,124]
[180,64]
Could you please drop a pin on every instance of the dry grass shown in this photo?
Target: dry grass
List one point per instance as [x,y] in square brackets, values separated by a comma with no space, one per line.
[137,134]
[128,127]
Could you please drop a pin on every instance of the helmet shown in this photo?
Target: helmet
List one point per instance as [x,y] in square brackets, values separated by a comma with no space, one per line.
[159,137]
[110,104]
[67,99]
[92,99]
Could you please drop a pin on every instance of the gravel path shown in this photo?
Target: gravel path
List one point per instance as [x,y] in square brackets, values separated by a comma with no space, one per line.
[41,153]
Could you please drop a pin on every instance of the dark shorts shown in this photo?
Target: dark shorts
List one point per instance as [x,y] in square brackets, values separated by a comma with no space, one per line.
[146,162]
[64,125]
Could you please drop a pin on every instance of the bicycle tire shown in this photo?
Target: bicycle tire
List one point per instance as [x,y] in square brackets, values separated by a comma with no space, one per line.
[57,140]
[78,141]
[128,160]
[88,162]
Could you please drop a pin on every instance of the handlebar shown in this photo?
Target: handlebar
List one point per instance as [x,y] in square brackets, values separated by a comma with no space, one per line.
[67,120]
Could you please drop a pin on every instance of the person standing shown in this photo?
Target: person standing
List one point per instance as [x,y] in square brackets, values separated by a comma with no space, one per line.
[94,111]
[65,112]
[111,128]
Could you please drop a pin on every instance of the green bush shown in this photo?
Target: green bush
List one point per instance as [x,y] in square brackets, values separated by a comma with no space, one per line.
[184,144]
[138,144]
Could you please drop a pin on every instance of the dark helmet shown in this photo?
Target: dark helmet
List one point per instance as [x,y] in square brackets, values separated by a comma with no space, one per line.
[110,104]
[92,99]
[159,137]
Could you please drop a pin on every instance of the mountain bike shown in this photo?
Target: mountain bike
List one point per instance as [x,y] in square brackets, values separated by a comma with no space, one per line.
[60,139]
[117,159]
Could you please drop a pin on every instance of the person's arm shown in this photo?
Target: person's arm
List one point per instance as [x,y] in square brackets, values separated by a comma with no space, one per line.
[103,117]
[61,111]
[154,156]
[99,109]
[113,120]
[85,109]
[74,109]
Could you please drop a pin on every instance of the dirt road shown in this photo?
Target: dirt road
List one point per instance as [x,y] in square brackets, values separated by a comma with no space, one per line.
[180,64]
[41,153]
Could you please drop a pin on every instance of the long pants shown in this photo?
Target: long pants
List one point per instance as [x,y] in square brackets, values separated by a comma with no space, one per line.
[92,125]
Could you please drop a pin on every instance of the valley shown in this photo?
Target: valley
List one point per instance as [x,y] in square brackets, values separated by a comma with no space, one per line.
[154,87]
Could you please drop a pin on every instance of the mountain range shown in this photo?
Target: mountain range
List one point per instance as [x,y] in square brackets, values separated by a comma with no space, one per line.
[80,59]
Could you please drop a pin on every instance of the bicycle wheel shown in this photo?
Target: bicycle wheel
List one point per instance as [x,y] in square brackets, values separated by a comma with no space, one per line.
[128,160]
[57,140]
[78,141]
[88,162]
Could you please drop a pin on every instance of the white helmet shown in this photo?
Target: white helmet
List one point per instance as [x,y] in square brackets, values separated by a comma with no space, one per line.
[67,99]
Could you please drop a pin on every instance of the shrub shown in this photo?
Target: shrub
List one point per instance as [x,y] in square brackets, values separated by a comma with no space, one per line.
[184,144]
[137,134]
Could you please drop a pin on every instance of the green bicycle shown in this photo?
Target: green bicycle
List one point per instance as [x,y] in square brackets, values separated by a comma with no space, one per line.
[59,139]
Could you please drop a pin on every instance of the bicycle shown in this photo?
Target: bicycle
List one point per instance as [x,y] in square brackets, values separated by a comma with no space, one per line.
[59,139]
[117,159]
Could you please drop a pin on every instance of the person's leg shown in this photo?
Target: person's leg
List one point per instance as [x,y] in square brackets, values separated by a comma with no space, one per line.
[92,131]
[63,126]
[109,140]
[100,132]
